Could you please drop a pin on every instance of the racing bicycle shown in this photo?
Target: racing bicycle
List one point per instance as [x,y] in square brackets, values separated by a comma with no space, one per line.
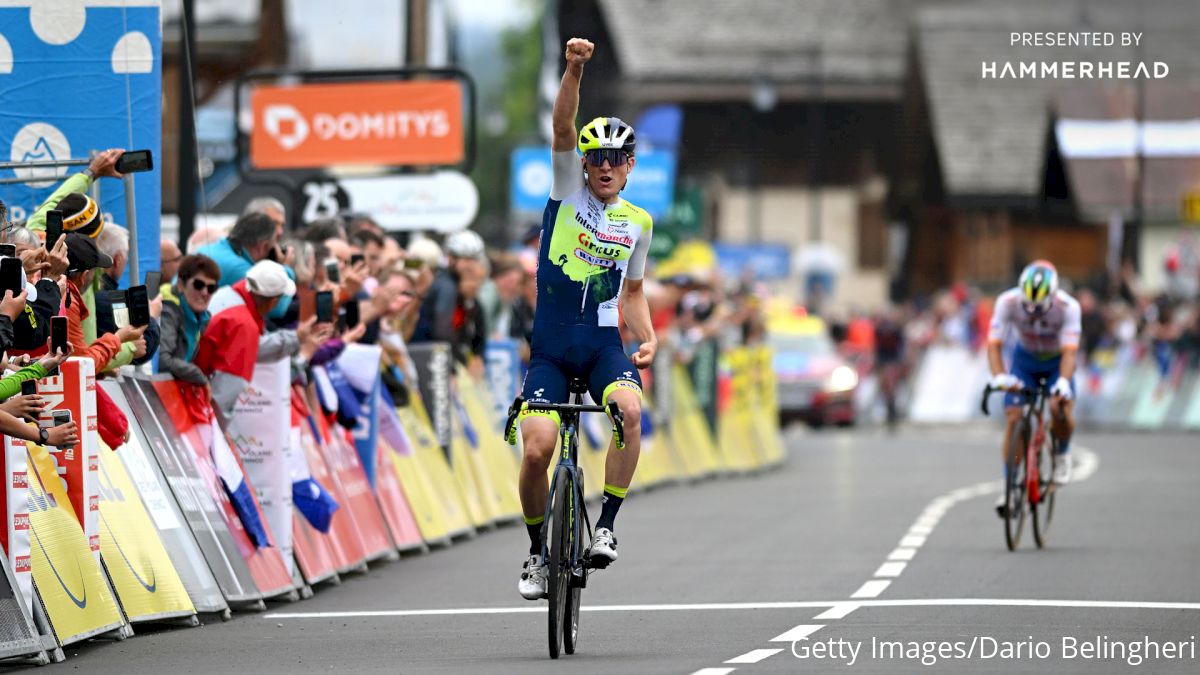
[566,520]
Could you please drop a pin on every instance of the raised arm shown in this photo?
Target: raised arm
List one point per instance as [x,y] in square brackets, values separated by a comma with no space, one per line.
[566,103]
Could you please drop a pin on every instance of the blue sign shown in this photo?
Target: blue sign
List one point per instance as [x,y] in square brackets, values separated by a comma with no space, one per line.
[651,184]
[76,77]
[768,261]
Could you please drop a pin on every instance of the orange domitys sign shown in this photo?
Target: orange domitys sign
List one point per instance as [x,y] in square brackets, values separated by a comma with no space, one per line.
[398,123]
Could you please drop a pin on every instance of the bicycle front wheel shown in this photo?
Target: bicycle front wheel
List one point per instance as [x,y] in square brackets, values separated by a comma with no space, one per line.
[1014,486]
[558,559]
[1043,510]
[571,627]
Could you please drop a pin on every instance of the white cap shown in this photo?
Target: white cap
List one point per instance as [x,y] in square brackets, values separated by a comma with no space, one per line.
[464,244]
[427,251]
[270,280]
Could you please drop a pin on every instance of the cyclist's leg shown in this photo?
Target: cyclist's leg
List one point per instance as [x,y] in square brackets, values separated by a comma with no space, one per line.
[615,378]
[1024,368]
[544,383]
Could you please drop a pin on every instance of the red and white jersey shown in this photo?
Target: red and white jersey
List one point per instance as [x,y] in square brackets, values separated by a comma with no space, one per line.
[1043,334]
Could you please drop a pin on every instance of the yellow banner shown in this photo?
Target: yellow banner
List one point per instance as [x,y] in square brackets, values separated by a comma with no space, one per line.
[68,577]
[141,570]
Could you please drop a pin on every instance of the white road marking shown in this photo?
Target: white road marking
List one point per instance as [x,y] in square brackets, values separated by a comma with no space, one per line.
[902,553]
[754,656]
[871,589]
[891,568]
[715,671]
[798,633]
[831,605]
[912,542]
[836,612]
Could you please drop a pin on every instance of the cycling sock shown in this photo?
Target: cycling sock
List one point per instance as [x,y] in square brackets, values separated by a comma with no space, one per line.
[613,496]
[1064,447]
[534,527]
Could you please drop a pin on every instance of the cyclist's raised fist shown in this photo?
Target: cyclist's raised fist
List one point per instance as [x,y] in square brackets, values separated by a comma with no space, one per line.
[579,51]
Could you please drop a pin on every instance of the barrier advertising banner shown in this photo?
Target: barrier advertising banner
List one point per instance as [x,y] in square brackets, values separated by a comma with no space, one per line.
[66,573]
[16,512]
[434,365]
[503,376]
[74,390]
[357,500]
[141,571]
[199,508]
[343,538]
[266,565]
[260,427]
[432,463]
[397,452]
[165,514]
[313,548]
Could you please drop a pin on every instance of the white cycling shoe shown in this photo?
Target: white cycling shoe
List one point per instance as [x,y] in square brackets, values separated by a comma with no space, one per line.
[603,551]
[1062,469]
[532,585]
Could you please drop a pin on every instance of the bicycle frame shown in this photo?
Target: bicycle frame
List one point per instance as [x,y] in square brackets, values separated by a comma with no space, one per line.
[1034,416]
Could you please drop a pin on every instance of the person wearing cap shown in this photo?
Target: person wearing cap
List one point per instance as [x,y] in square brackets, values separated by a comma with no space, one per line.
[234,340]
[84,258]
[464,252]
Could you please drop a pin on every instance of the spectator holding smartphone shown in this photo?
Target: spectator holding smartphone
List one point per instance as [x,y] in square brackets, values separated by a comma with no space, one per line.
[185,316]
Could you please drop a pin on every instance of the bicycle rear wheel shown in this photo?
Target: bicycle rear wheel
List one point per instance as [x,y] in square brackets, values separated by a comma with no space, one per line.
[1043,510]
[571,625]
[558,565]
[1014,488]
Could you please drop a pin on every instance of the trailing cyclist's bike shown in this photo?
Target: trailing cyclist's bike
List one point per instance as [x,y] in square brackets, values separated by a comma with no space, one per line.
[1032,454]
[567,523]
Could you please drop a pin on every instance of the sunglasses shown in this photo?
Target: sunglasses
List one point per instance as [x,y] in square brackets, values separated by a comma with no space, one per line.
[201,286]
[614,157]
[409,294]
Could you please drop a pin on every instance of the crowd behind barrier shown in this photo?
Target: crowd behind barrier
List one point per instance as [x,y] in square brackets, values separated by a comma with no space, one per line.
[300,406]
[1139,353]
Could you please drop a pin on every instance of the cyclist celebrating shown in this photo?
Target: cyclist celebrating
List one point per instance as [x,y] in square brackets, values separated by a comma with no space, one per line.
[1047,322]
[591,261]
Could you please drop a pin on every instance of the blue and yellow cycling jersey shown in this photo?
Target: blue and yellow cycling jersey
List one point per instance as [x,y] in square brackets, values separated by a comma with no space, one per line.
[588,249]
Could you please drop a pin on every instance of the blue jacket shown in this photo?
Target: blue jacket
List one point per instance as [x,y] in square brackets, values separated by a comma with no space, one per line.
[234,264]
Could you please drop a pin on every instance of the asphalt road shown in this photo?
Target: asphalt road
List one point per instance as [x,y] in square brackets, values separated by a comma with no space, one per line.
[863,553]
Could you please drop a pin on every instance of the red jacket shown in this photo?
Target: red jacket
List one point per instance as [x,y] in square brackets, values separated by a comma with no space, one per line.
[230,343]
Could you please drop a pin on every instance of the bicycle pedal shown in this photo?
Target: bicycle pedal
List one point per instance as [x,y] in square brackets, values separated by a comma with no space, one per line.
[598,563]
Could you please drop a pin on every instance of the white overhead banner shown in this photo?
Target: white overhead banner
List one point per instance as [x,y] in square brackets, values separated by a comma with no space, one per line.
[443,201]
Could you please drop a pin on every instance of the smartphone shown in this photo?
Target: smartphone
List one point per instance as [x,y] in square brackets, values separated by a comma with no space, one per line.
[356,258]
[325,307]
[8,250]
[10,276]
[351,309]
[308,303]
[138,299]
[29,388]
[331,271]
[54,228]
[59,418]
[58,333]
[135,161]
[153,283]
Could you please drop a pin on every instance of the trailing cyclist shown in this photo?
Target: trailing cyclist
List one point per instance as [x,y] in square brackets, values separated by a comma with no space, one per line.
[1047,323]
[590,265]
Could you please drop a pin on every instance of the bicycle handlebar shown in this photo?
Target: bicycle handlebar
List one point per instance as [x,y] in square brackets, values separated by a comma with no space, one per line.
[989,390]
[612,410]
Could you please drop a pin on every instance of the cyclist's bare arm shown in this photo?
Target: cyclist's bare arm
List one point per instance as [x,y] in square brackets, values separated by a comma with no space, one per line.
[566,103]
[995,359]
[636,311]
[1066,367]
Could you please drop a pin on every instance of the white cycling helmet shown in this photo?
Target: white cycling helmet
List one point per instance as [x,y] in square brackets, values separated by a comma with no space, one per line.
[464,244]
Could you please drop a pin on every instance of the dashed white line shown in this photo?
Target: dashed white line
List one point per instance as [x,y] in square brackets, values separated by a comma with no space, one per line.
[714,671]
[798,633]
[912,542]
[902,553]
[754,656]
[892,568]
[872,588]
